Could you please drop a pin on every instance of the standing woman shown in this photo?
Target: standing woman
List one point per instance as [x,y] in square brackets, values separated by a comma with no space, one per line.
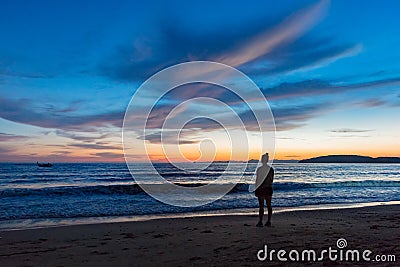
[264,191]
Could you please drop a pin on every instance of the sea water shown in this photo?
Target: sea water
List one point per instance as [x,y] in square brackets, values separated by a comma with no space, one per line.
[90,190]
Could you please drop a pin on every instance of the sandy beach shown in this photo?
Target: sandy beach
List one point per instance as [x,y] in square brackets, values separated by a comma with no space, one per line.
[206,241]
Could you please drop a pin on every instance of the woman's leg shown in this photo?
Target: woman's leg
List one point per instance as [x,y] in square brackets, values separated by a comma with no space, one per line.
[261,209]
[269,206]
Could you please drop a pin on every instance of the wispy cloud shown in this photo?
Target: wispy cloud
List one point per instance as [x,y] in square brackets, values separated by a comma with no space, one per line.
[22,111]
[291,117]
[61,152]
[321,87]
[349,130]
[170,137]
[350,136]
[286,118]
[96,146]
[236,48]
[4,137]
[80,137]
[6,71]
[290,29]
[372,102]
[4,150]
[302,55]
[108,155]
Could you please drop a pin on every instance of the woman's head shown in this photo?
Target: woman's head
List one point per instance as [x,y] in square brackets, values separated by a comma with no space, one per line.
[264,158]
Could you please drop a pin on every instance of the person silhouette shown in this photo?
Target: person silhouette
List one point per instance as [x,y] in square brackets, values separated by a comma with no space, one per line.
[264,190]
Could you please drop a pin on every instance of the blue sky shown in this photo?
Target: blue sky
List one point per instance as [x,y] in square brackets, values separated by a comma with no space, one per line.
[330,71]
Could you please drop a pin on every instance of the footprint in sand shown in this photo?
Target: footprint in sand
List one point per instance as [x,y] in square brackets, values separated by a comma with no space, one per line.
[128,235]
[98,253]
[217,250]
[159,235]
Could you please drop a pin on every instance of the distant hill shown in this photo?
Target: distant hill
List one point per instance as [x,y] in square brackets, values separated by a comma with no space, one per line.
[350,159]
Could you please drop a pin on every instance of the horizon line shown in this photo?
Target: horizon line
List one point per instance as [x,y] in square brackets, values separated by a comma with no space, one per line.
[234,161]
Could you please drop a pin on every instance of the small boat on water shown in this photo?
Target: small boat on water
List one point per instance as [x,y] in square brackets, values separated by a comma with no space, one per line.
[48,165]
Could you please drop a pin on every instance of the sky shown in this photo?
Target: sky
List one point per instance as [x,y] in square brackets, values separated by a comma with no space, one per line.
[330,72]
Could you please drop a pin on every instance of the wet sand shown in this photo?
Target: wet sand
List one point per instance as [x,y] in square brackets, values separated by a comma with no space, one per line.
[207,241]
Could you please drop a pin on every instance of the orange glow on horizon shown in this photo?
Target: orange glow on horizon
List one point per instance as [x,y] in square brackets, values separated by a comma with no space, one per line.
[156,154]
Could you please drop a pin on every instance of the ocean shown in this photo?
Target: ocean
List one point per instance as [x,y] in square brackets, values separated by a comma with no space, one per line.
[79,191]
